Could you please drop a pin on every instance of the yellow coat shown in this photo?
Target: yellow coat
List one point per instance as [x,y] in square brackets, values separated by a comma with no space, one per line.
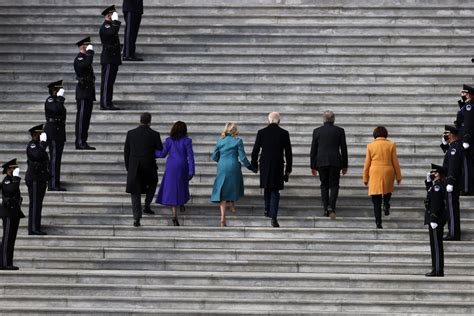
[381,166]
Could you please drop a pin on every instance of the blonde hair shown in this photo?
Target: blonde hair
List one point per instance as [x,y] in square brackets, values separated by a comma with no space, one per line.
[230,128]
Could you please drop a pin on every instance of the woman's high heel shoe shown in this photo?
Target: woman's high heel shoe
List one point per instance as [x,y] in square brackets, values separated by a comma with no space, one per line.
[223,224]
[175,221]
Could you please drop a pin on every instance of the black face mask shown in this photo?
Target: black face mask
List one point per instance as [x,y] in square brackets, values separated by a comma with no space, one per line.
[446,137]
[432,176]
[463,98]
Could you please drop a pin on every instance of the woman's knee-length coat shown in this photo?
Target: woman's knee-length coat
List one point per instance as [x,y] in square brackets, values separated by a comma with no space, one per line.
[381,166]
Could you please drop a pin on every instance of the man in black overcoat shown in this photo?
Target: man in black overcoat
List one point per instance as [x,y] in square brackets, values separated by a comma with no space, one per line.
[139,155]
[133,11]
[110,57]
[275,146]
[329,157]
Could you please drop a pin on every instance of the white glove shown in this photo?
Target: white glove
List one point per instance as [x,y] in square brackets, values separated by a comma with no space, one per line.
[89,47]
[114,16]
[433,225]
[60,92]
[43,137]
[443,141]
[465,145]
[16,172]
[449,188]
[428,177]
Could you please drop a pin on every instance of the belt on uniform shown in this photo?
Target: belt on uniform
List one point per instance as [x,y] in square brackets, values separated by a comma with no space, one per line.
[55,120]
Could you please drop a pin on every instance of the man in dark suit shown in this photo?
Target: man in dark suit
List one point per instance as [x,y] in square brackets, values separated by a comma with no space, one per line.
[110,58]
[329,157]
[85,92]
[133,11]
[139,154]
[274,143]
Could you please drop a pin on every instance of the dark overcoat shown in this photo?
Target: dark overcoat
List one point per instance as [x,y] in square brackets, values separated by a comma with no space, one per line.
[328,147]
[55,113]
[85,89]
[275,146]
[139,156]
[11,198]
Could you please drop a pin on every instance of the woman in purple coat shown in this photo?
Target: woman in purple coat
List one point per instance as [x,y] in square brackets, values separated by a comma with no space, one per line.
[174,188]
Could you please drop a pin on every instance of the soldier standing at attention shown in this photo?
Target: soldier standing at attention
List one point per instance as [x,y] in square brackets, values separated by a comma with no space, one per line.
[133,11]
[85,91]
[10,212]
[37,176]
[110,58]
[452,164]
[55,129]
[435,218]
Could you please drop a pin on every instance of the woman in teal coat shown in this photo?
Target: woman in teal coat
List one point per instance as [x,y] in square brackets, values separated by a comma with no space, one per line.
[229,183]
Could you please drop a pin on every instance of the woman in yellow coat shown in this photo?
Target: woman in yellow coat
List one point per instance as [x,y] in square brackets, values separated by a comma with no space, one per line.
[381,168]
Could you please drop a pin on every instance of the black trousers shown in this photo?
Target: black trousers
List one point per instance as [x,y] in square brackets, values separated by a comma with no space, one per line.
[272,201]
[437,251]
[83,120]
[108,76]
[454,220]
[329,177]
[377,200]
[137,201]
[467,176]
[36,192]
[55,156]
[132,25]
[10,229]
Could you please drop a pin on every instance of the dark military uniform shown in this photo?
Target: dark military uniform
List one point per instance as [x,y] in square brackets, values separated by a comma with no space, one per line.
[110,60]
[435,213]
[465,119]
[10,212]
[37,176]
[55,128]
[85,96]
[452,163]
[133,11]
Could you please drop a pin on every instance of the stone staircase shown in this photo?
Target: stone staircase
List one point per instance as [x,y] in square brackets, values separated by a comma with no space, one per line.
[398,63]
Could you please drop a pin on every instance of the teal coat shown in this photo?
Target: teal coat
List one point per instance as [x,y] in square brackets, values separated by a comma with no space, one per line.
[229,183]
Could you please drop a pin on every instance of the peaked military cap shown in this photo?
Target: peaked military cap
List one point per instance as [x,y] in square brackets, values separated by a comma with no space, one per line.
[85,41]
[451,129]
[109,10]
[437,168]
[468,89]
[11,163]
[36,129]
[56,84]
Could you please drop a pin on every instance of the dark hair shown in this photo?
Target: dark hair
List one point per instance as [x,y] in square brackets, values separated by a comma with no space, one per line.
[145,118]
[380,131]
[178,130]
[53,91]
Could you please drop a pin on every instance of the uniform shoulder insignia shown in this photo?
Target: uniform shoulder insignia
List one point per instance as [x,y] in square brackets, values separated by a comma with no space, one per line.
[80,58]
[437,188]
[7,182]
[453,151]
[107,26]
[50,99]
[32,146]
[468,107]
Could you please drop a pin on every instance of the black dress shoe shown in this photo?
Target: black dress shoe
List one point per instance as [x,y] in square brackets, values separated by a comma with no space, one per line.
[133,58]
[11,268]
[136,223]
[37,233]
[325,213]
[451,238]
[88,147]
[379,226]
[266,214]
[175,221]
[182,208]
[57,189]
[386,210]
[434,274]
[275,222]
[147,210]
[113,108]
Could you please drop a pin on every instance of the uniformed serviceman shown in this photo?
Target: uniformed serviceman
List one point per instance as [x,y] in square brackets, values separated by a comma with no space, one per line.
[55,129]
[36,178]
[85,91]
[133,11]
[110,57]
[465,122]
[10,212]
[435,218]
[452,164]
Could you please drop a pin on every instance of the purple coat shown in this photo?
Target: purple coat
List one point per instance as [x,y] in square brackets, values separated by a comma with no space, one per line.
[174,188]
